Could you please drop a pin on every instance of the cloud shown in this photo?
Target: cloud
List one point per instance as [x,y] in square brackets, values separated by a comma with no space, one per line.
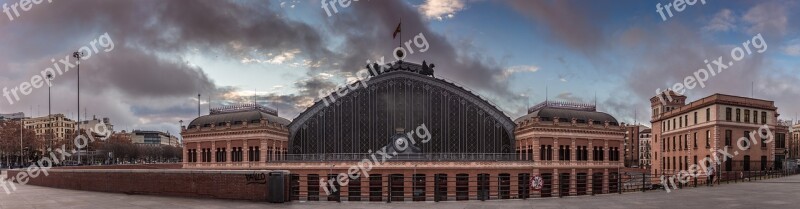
[568,21]
[723,21]
[792,48]
[440,9]
[147,78]
[768,18]
[370,24]
[517,69]
[569,97]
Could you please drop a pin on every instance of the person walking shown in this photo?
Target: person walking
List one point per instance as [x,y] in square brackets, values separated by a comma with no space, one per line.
[711,171]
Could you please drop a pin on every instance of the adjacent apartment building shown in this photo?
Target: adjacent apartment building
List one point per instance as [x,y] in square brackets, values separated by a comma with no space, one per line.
[58,125]
[683,134]
[644,148]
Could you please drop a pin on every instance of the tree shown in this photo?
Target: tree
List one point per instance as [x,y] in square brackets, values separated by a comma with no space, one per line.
[32,145]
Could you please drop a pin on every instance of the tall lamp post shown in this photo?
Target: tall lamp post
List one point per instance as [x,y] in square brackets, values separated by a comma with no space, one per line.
[21,126]
[49,77]
[78,56]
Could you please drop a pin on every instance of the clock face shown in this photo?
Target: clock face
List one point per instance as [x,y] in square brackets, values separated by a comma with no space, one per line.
[400,144]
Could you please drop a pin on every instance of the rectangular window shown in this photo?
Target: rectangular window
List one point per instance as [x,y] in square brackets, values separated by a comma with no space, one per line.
[561,153]
[680,142]
[680,123]
[602,154]
[686,120]
[686,141]
[747,116]
[747,134]
[728,137]
[738,115]
[708,139]
[763,117]
[542,152]
[728,114]
[708,114]
[695,117]
[755,117]
[673,143]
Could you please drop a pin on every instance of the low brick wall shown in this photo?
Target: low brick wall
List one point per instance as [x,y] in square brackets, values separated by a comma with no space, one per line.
[239,185]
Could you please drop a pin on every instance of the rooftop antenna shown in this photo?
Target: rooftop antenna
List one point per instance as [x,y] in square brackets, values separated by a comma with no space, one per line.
[198,104]
[546,93]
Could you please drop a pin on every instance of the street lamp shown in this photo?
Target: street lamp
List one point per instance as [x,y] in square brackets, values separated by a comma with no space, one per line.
[78,56]
[49,77]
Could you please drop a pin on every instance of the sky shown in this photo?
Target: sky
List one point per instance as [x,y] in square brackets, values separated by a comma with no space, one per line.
[145,61]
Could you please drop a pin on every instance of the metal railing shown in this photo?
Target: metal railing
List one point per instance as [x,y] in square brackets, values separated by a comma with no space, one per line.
[403,157]
[462,187]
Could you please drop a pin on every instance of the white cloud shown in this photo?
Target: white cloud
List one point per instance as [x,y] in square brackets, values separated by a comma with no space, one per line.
[723,21]
[285,56]
[276,59]
[767,18]
[440,9]
[518,69]
[792,48]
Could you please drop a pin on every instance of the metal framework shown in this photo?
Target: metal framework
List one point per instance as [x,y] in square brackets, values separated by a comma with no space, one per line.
[363,120]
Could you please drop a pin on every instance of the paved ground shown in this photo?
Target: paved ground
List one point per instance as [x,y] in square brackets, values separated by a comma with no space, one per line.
[774,193]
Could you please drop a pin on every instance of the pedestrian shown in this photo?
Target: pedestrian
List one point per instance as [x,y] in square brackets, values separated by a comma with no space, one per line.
[711,172]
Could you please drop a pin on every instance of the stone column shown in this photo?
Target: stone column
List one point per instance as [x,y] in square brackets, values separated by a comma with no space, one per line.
[214,150]
[605,180]
[555,149]
[589,181]
[263,150]
[185,155]
[573,182]
[573,149]
[590,152]
[229,151]
[246,149]
[199,152]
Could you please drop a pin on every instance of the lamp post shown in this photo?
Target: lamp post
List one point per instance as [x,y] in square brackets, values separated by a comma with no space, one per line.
[78,56]
[49,77]
[21,125]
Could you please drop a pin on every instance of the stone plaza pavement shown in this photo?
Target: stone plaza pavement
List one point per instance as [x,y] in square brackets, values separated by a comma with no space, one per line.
[773,193]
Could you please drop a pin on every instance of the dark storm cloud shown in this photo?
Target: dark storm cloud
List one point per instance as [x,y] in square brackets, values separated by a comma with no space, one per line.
[650,54]
[145,79]
[367,27]
[569,21]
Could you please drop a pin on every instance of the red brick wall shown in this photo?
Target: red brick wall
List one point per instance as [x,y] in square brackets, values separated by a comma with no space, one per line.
[166,182]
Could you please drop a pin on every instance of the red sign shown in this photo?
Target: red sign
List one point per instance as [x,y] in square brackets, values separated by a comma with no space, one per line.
[537,183]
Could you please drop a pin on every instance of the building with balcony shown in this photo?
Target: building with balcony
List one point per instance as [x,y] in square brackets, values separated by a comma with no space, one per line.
[54,129]
[684,134]
[473,150]
[644,148]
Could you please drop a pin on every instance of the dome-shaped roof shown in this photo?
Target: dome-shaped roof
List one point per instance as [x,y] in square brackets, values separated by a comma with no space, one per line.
[550,110]
[240,114]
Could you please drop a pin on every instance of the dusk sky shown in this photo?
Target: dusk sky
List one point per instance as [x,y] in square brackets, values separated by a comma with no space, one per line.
[508,52]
